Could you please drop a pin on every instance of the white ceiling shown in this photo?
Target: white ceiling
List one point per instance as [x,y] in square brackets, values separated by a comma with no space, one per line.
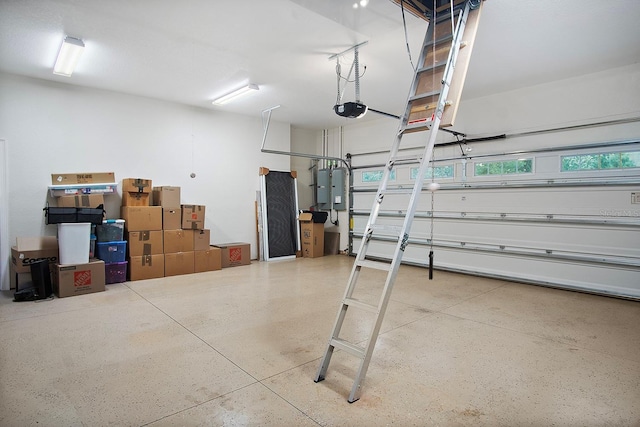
[191,51]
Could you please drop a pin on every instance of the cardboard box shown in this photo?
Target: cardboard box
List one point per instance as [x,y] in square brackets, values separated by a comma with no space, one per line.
[136,185]
[171,218]
[168,197]
[193,217]
[178,241]
[234,254]
[208,260]
[145,243]
[201,240]
[135,199]
[78,279]
[178,263]
[80,201]
[83,178]
[141,218]
[31,249]
[145,267]
[311,236]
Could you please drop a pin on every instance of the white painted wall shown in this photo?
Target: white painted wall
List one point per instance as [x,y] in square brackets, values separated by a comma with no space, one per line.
[304,141]
[4,217]
[58,128]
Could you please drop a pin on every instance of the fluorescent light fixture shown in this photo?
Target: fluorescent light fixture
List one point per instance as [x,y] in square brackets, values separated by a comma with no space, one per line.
[68,56]
[236,94]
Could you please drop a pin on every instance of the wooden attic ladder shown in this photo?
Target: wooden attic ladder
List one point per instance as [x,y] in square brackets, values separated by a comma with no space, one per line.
[432,104]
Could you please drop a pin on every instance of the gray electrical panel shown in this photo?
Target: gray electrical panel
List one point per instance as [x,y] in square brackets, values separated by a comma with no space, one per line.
[323,189]
[330,189]
[337,189]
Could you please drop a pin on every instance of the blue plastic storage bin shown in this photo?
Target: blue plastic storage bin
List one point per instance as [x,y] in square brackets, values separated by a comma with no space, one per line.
[111,251]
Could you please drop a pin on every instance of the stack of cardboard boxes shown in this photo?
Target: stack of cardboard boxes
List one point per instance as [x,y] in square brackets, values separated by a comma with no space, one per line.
[143,228]
[178,243]
[166,238]
[186,241]
[158,235]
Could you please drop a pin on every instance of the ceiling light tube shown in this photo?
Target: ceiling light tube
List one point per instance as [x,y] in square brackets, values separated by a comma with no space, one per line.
[68,57]
[236,94]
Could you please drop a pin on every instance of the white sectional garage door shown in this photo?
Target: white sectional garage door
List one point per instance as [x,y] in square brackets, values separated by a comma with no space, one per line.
[567,218]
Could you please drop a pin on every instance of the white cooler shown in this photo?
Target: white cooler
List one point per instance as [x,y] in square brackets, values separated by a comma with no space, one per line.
[73,242]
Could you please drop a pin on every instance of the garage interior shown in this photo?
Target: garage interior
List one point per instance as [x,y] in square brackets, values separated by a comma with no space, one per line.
[530,209]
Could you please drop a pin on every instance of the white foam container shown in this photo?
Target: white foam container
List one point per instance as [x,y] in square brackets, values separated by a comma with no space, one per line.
[73,242]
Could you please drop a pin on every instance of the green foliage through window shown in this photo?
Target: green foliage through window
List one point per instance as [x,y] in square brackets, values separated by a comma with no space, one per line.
[439,172]
[374,176]
[581,162]
[506,167]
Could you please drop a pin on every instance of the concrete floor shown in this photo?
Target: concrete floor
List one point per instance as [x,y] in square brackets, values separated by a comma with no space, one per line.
[241,346]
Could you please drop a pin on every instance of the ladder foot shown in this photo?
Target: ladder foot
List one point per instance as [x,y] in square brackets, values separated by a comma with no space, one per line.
[318,379]
[354,400]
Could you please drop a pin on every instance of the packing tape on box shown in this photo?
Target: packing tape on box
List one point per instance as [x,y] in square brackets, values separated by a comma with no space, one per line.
[147,260]
[146,249]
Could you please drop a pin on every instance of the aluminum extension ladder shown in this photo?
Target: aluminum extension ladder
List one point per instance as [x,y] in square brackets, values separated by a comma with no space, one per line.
[422,114]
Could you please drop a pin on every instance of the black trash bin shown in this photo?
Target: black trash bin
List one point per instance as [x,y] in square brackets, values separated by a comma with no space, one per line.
[318,217]
[41,277]
[40,287]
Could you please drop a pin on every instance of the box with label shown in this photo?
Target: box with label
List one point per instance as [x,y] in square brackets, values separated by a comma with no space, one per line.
[145,243]
[83,178]
[201,240]
[311,236]
[178,241]
[234,254]
[135,199]
[145,267]
[78,279]
[136,185]
[178,263]
[166,196]
[141,218]
[80,201]
[171,218]
[209,260]
[32,249]
[193,217]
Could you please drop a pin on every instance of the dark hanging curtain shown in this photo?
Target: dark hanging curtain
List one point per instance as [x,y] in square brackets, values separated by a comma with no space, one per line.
[281,213]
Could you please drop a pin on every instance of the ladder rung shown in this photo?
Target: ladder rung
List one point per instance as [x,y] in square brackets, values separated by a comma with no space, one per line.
[446,38]
[416,125]
[348,347]
[424,95]
[352,302]
[442,16]
[409,158]
[374,264]
[431,67]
